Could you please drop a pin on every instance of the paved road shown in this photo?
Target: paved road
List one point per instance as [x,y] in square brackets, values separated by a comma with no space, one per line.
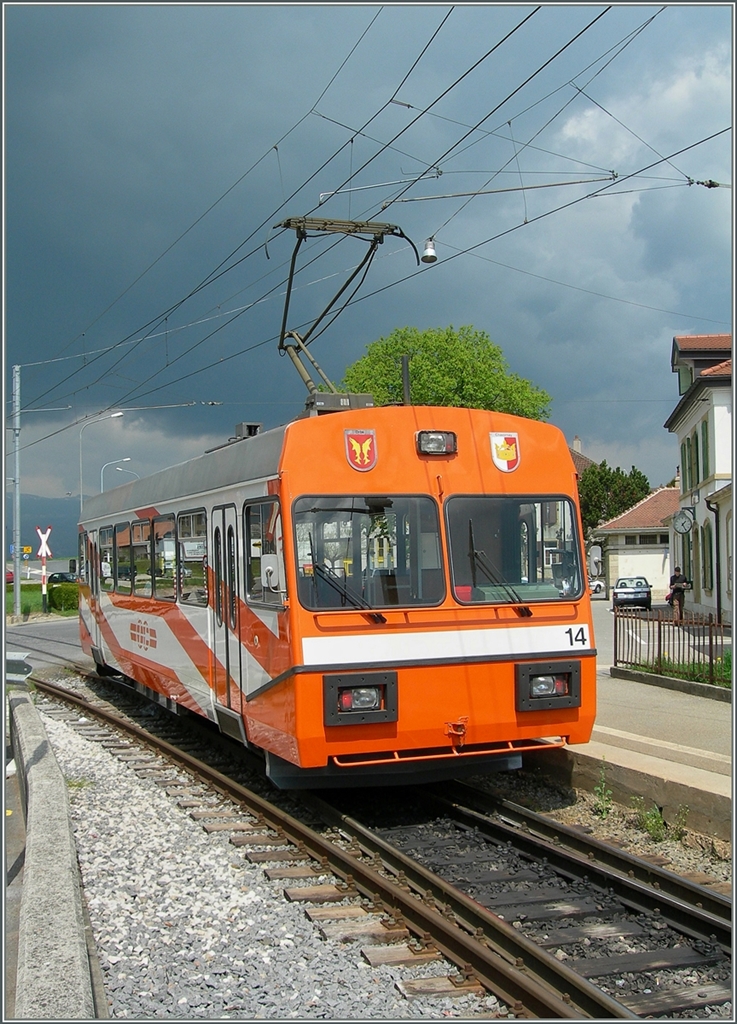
[49,641]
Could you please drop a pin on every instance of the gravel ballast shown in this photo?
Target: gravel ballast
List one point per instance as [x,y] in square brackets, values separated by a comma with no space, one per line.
[186,928]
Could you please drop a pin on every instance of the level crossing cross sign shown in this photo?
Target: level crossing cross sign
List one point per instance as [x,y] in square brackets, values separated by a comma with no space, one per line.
[44,551]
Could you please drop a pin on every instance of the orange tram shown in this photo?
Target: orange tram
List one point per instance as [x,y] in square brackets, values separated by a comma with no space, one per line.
[374,596]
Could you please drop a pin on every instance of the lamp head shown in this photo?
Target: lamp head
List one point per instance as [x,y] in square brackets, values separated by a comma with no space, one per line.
[428,252]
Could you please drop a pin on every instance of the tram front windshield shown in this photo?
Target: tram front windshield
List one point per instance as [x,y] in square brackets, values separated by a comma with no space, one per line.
[513,550]
[368,551]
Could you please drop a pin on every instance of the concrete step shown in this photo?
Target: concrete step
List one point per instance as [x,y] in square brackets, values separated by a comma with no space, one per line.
[720,764]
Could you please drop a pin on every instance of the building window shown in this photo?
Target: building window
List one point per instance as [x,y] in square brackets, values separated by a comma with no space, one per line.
[695,457]
[705,448]
[629,538]
[689,465]
[645,538]
[728,538]
[684,468]
[663,538]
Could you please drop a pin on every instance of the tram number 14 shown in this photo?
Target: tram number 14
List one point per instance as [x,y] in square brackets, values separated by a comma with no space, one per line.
[579,637]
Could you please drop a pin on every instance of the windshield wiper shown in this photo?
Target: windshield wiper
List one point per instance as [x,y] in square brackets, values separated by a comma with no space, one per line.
[478,561]
[332,578]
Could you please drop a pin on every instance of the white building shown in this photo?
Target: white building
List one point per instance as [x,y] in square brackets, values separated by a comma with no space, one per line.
[637,542]
[702,529]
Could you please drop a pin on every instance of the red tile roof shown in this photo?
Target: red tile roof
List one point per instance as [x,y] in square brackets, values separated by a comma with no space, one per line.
[703,342]
[647,514]
[720,370]
[580,461]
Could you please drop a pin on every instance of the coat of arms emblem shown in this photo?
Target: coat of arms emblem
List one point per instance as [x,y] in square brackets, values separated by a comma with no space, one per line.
[505,451]
[360,449]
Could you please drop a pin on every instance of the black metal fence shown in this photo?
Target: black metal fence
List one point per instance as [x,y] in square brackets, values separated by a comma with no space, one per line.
[692,648]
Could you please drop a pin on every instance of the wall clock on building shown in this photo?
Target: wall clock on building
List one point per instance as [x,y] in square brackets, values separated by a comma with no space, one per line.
[682,522]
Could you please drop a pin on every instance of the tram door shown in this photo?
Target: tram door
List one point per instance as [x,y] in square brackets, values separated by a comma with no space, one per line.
[93,578]
[225,608]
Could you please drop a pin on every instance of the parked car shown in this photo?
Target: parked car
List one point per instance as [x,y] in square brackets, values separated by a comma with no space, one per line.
[596,586]
[9,578]
[633,592]
[61,577]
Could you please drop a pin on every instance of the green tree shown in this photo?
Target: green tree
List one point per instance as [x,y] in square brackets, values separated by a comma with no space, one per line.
[446,367]
[605,493]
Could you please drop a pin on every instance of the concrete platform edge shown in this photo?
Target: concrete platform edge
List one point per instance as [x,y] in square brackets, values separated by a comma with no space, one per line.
[670,683]
[53,973]
[709,813]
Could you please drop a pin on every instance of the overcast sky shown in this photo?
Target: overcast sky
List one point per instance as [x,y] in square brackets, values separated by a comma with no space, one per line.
[151,149]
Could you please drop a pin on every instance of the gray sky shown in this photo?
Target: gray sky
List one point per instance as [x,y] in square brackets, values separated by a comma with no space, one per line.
[149,149]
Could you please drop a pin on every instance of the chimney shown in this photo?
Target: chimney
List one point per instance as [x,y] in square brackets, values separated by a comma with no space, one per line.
[577,444]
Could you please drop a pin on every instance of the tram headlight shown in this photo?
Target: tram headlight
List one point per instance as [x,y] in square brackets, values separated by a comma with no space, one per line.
[437,442]
[550,685]
[359,698]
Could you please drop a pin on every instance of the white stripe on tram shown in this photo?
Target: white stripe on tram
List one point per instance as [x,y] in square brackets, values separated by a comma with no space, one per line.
[377,647]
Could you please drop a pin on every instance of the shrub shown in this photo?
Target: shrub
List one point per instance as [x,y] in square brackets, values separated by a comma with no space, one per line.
[63,597]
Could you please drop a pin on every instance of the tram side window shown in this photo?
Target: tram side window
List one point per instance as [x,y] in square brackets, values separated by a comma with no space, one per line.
[165,558]
[265,580]
[122,566]
[82,552]
[141,549]
[106,558]
[192,541]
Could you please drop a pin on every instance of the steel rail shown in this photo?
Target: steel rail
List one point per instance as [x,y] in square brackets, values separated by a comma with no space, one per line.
[620,861]
[493,932]
[475,940]
[639,896]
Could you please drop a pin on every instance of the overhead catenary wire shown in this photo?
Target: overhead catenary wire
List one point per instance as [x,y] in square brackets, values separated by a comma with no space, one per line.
[257,346]
[214,274]
[392,100]
[471,249]
[218,271]
[227,192]
[614,52]
[425,269]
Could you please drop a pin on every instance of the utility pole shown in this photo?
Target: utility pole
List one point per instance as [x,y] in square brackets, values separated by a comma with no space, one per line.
[16,491]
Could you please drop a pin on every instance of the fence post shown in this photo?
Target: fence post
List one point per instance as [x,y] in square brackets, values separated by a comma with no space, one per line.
[616,633]
[711,648]
[660,643]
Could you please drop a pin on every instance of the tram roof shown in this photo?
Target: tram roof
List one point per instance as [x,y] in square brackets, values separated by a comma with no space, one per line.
[252,458]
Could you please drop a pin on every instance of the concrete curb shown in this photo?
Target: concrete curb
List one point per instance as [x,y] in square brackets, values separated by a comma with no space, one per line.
[709,813]
[670,683]
[53,978]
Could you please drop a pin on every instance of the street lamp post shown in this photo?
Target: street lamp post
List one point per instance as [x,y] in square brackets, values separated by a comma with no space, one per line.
[99,419]
[127,459]
[121,470]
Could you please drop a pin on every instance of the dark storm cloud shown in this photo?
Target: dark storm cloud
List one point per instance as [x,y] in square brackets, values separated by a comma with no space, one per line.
[124,124]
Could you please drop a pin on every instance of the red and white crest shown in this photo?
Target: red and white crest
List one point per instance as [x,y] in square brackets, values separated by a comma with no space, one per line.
[360,449]
[505,451]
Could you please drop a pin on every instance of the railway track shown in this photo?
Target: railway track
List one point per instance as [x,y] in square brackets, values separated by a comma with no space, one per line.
[526,909]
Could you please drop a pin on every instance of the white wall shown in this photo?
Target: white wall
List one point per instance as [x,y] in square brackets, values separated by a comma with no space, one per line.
[652,562]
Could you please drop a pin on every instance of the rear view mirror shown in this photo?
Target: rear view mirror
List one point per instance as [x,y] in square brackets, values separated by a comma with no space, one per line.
[270,573]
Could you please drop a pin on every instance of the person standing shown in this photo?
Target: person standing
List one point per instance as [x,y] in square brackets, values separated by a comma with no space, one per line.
[678,583]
